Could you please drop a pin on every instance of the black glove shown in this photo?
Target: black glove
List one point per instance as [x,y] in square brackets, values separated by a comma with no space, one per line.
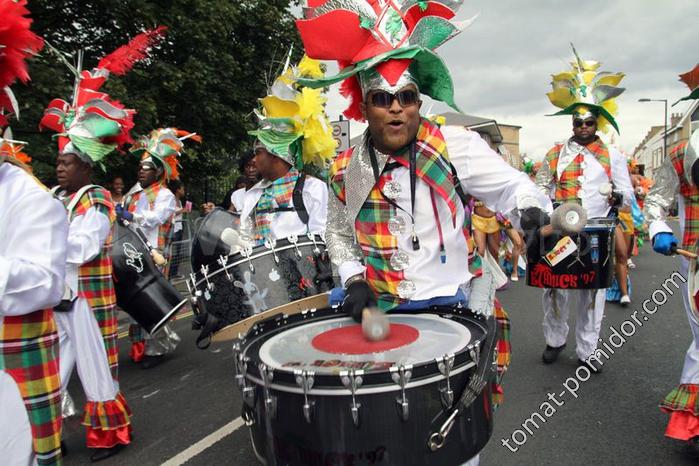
[358,296]
[531,221]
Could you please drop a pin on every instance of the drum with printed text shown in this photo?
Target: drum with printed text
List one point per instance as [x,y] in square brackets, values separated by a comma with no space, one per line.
[582,261]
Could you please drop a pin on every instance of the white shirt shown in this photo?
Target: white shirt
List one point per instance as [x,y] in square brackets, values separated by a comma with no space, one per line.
[238,199]
[483,174]
[33,236]
[150,219]
[315,199]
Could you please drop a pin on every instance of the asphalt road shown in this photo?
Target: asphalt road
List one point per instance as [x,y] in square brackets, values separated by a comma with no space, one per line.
[614,419]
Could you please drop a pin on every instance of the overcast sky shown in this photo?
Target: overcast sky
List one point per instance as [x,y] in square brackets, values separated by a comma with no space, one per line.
[502,64]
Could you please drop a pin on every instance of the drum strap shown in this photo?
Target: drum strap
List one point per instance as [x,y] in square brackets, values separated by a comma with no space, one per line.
[297,197]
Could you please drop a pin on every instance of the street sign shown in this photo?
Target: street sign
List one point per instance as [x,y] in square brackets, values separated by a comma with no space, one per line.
[341,133]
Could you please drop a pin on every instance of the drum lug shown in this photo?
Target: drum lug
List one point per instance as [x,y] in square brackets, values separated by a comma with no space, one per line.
[474,352]
[294,239]
[305,379]
[223,261]
[401,375]
[445,365]
[352,380]
[193,291]
[246,253]
[270,401]
[205,274]
[271,243]
[316,249]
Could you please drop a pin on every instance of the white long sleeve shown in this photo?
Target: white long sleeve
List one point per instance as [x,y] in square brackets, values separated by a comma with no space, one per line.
[33,233]
[620,176]
[87,234]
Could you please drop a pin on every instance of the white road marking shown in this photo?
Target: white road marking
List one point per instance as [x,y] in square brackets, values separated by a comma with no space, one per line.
[205,443]
[151,394]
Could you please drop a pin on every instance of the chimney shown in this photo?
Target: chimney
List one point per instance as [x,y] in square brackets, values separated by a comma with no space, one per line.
[674,119]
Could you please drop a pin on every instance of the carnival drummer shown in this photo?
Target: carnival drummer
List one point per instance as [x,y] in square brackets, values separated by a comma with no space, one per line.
[678,180]
[575,171]
[152,207]
[395,212]
[32,269]
[286,201]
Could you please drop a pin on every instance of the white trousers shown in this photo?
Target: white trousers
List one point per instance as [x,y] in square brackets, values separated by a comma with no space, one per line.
[590,309]
[690,370]
[15,431]
[81,345]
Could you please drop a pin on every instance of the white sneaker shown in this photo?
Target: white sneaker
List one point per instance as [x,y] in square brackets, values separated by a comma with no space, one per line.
[514,278]
[630,264]
[625,300]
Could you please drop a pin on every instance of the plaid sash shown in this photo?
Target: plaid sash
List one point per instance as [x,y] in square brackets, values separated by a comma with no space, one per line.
[95,277]
[371,224]
[276,195]
[151,193]
[691,199]
[568,185]
[29,354]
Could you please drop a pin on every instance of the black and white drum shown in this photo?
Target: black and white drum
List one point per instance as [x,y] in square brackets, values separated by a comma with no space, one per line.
[256,279]
[315,391]
[581,261]
[141,289]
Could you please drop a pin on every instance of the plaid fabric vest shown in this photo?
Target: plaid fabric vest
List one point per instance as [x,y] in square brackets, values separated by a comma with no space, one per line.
[276,195]
[568,184]
[371,224]
[95,277]
[29,354]
[691,199]
[151,193]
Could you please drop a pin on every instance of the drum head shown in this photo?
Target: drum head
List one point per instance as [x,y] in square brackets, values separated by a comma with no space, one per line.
[329,346]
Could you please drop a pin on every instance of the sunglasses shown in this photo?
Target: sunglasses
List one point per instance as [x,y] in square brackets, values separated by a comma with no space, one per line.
[580,123]
[385,99]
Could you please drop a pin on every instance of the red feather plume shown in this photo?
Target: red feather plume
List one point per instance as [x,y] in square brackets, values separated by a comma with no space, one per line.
[125,57]
[691,78]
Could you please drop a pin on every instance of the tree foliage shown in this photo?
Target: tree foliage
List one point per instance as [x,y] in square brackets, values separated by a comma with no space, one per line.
[206,76]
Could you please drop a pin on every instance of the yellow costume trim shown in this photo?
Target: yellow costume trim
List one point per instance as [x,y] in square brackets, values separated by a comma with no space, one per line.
[485,224]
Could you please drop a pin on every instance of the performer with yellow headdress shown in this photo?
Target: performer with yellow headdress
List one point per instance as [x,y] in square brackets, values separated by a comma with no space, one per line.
[678,180]
[575,170]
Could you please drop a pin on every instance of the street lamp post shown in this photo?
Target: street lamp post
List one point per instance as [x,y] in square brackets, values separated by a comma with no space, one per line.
[664,122]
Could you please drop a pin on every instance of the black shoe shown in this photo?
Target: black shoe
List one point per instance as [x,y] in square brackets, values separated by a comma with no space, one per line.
[104,453]
[551,354]
[593,366]
[150,362]
[64,449]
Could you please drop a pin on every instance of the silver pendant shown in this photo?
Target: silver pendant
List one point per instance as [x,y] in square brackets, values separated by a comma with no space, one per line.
[392,189]
[400,260]
[396,226]
[406,289]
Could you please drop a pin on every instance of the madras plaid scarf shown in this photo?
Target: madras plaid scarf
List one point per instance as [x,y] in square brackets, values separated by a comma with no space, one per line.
[691,199]
[371,224]
[278,194]
[95,277]
[29,354]
[151,193]
[568,185]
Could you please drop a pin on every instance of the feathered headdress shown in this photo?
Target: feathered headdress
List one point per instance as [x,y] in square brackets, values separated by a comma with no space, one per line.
[691,79]
[293,124]
[17,43]
[93,124]
[381,38]
[164,145]
[13,149]
[583,89]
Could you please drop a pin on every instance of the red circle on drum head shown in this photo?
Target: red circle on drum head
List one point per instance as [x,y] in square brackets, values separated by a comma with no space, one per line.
[351,340]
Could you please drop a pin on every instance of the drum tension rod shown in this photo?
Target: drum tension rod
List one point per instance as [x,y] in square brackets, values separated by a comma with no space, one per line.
[270,401]
[316,249]
[294,239]
[223,261]
[352,380]
[401,375]
[304,379]
[205,274]
[271,243]
[445,365]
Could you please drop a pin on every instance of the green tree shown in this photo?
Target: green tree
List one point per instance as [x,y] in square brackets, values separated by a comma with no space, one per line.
[216,61]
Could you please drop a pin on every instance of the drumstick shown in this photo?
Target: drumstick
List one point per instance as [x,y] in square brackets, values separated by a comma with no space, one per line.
[685,253]
[233,331]
[375,325]
[158,258]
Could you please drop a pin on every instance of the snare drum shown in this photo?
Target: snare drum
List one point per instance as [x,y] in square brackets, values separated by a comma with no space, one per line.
[582,261]
[316,392]
[256,279]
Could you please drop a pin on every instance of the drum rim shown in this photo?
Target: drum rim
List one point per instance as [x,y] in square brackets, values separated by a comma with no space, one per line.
[373,382]
[159,326]
[202,281]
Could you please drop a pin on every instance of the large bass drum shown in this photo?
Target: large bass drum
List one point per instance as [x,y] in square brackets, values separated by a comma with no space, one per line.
[316,392]
[253,280]
[141,289]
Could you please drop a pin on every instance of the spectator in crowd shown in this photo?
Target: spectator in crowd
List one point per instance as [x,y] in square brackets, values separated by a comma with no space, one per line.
[247,180]
[116,188]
